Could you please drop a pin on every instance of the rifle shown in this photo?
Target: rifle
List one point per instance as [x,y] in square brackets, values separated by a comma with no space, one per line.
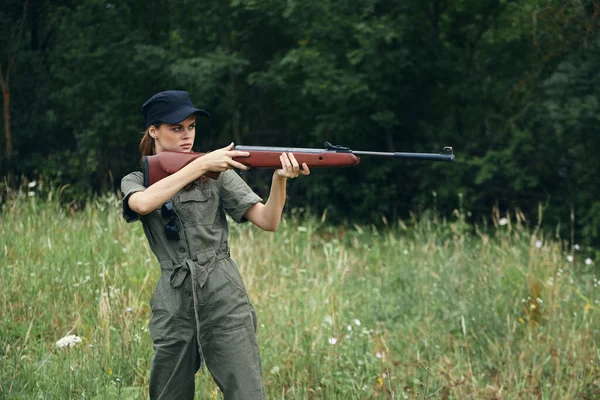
[165,163]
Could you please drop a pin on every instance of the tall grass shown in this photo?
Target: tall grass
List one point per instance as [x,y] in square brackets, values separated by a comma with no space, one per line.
[424,308]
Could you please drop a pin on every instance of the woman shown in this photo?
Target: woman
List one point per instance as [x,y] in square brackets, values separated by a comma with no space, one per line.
[200,308]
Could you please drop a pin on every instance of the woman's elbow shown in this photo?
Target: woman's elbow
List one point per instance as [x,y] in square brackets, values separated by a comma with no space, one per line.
[269,226]
[139,206]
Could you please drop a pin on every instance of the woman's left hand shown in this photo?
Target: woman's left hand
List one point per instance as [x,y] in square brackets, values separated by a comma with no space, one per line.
[290,167]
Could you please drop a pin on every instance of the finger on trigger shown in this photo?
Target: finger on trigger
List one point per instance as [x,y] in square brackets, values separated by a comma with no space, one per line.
[239,165]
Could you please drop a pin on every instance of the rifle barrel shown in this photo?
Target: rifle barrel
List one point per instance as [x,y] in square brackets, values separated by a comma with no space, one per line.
[410,156]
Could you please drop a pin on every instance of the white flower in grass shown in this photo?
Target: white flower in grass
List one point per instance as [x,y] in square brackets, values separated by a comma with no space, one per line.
[357,322]
[378,355]
[588,261]
[31,194]
[31,184]
[570,258]
[332,341]
[68,341]
[349,327]
[577,247]
[538,244]
[502,221]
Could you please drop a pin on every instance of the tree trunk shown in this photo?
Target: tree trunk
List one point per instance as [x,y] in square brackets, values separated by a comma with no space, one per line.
[7,134]
[4,80]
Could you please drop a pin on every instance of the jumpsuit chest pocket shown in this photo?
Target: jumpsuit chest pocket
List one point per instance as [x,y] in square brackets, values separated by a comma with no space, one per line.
[197,207]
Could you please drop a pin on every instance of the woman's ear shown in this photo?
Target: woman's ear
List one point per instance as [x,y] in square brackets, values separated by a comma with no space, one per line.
[152,131]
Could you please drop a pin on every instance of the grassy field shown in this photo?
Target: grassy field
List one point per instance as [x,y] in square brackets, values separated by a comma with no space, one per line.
[421,309]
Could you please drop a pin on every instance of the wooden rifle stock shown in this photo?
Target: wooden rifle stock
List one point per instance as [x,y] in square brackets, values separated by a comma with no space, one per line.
[165,163]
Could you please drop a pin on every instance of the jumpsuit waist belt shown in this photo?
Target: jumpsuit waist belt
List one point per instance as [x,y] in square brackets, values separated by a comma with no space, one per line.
[202,263]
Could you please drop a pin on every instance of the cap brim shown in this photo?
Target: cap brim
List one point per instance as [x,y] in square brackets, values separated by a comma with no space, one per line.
[183,113]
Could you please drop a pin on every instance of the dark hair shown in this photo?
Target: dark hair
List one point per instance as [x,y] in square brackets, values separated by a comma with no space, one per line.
[147,143]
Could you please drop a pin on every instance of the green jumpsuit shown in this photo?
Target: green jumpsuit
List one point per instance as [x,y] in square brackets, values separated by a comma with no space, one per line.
[200,308]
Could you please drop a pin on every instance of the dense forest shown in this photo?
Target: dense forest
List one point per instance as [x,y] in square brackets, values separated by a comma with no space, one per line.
[512,85]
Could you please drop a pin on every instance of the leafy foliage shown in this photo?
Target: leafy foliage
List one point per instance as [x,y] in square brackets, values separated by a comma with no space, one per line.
[511,85]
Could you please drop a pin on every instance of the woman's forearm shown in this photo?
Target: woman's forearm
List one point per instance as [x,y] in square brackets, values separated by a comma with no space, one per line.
[274,205]
[267,216]
[160,192]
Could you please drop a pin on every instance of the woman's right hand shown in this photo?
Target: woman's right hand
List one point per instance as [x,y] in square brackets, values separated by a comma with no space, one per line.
[222,159]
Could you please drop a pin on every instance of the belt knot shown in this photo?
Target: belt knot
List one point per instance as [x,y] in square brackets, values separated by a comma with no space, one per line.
[200,266]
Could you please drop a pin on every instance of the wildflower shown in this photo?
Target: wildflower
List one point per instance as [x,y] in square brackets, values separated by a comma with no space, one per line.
[538,244]
[332,341]
[405,252]
[68,341]
[128,309]
[577,247]
[539,301]
[378,355]
[588,261]
[31,184]
[502,221]
[31,194]
[357,322]
[275,370]
[570,258]
[302,229]
[349,327]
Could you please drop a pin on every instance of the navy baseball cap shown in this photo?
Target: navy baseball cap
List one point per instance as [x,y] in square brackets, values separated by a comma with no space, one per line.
[170,107]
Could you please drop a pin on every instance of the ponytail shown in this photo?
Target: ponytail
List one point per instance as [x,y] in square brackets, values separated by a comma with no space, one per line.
[147,143]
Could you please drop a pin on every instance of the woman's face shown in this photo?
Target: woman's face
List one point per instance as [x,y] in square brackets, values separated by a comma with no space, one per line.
[175,137]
